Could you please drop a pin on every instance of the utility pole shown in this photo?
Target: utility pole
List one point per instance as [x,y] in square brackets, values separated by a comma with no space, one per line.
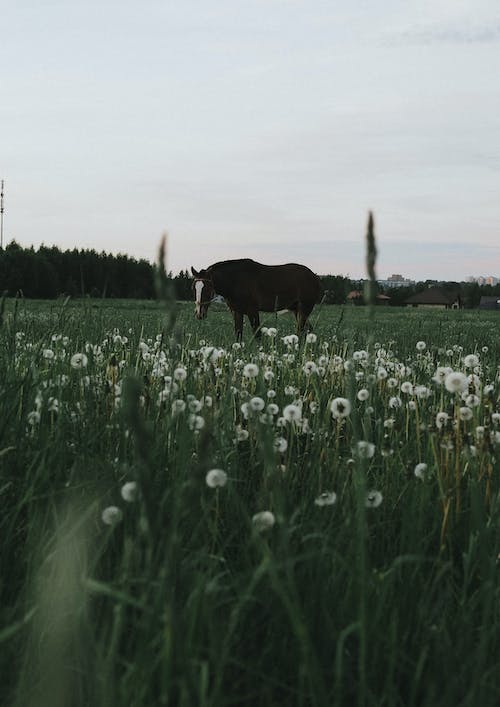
[1,217]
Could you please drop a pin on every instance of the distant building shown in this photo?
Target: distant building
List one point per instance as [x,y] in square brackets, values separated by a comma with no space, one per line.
[436,298]
[396,280]
[481,280]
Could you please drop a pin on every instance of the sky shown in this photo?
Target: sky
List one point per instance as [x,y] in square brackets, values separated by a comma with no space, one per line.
[264,129]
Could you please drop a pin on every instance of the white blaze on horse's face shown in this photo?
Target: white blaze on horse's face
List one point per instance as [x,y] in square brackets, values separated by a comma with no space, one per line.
[198,288]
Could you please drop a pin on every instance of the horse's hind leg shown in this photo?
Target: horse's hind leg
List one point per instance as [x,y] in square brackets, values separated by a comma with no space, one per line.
[302,314]
[238,325]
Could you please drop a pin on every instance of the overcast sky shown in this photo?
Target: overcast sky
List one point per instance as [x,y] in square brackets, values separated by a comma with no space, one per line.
[265,129]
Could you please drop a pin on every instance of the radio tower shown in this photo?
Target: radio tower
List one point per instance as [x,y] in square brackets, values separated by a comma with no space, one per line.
[1,217]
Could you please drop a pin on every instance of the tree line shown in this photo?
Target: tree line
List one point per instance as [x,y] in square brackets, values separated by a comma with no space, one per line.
[49,272]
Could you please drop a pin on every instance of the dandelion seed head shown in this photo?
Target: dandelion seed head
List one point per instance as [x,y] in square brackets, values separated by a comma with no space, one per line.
[33,418]
[216,478]
[256,404]
[395,402]
[241,434]
[340,408]
[309,368]
[472,400]
[178,406]
[79,361]
[264,520]
[456,382]
[440,374]
[251,370]
[441,419]
[373,499]
[471,361]
[465,414]
[365,450]
[420,471]
[292,413]
[111,515]
[129,491]
[180,374]
[406,388]
[327,498]
[280,445]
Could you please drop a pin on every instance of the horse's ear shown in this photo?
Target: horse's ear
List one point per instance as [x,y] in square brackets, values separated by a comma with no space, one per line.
[194,272]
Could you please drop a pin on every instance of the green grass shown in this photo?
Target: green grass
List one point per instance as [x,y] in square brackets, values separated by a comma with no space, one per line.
[184,601]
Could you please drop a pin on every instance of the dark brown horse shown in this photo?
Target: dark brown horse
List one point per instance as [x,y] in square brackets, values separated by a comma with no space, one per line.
[249,288]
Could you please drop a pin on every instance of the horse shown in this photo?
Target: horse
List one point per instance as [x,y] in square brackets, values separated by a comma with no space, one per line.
[249,287]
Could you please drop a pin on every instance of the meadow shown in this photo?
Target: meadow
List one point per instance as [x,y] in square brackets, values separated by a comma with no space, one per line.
[190,521]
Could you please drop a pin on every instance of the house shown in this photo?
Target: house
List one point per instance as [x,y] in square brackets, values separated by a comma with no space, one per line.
[436,298]
[490,303]
[356,298]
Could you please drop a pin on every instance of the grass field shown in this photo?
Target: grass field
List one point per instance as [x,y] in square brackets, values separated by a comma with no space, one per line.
[189,522]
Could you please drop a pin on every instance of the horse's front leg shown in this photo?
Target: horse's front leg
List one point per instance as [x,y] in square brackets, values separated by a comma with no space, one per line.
[255,322]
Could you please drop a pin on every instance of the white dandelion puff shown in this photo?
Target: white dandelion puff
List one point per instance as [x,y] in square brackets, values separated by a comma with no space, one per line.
[280,445]
[420,471]
[33,418]
[440,374]
[292,413]
[180,374]
[456,382]
[441,420]
[472,401]
[327,498]
[340,408]
[395,402]
[264,520]
[465,414]
[365,450]
[196,422]
[79,361]
[111,515]
[178,406]
[251,370]
[373,499]
[309,368]
[471,361]
[130,491]
[216,478]
[241,434]
[257,404]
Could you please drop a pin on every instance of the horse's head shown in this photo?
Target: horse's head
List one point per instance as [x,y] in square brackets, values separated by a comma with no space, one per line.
[203,292]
